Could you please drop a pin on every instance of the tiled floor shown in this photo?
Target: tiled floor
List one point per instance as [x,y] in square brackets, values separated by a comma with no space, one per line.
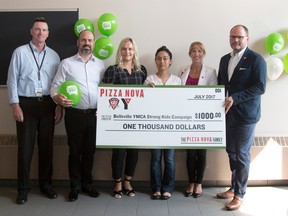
[259,201]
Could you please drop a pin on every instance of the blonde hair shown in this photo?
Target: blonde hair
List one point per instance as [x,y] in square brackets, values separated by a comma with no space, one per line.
[197,44]
[135,60]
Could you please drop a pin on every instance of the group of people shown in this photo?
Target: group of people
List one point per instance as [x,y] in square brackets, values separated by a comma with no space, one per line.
[35,73]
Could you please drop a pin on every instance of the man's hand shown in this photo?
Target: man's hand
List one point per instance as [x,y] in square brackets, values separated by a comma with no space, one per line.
[228,104]
[17,112]
[62,100]
[58,114]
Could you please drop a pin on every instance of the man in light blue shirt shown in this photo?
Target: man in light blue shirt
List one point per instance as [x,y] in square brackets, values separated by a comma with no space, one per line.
[30,74]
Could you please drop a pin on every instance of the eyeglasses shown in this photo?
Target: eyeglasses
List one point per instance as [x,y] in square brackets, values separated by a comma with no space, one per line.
[234,37]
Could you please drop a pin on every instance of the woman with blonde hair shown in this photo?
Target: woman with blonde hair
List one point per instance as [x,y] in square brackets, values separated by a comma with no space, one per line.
[126,71]
[196,73]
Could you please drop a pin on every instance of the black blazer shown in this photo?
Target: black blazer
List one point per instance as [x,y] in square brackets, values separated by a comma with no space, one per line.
[246,86]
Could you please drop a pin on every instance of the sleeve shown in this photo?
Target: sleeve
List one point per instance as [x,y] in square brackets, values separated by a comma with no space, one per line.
[179,81]
[102,71]
[109,75]
[148,80]
[12,78]
[144,73]
[219,77]
[213,77]
[59,78]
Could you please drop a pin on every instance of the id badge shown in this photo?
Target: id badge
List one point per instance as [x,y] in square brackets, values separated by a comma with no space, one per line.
[38,92]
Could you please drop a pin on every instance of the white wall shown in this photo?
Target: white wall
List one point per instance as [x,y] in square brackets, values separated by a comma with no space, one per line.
[153,23]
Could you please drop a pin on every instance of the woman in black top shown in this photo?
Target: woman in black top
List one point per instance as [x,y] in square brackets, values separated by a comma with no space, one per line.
[126,71]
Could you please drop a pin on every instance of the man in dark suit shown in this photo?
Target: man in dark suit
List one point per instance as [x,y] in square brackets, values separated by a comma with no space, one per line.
[243,72]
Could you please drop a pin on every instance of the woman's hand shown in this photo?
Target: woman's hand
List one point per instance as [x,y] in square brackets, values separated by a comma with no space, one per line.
[151,84]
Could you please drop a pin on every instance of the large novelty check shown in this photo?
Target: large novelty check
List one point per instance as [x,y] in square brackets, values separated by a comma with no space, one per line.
[162,117]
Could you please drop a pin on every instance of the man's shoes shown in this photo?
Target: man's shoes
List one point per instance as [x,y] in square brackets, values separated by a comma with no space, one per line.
[91,191]
[49,192]
[226,195]
[234,204]
[22,197]
[73,195]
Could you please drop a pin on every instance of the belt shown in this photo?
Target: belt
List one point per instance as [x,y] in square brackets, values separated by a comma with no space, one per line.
[83,111]
[42,98]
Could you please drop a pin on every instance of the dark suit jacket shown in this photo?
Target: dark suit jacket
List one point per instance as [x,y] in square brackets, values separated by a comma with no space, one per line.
[246,86]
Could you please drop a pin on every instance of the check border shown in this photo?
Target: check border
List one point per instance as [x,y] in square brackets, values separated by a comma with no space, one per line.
[142,96]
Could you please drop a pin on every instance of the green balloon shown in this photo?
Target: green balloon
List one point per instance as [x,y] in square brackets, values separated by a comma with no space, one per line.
[285,62]
[103,48]
[71,90]
[83,24]
[107,24]
[274,43]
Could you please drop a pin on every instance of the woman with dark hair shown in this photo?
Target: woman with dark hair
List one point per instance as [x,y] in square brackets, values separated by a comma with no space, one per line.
[162,187]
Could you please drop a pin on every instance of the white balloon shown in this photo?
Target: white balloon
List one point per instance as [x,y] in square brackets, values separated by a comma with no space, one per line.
[275,68]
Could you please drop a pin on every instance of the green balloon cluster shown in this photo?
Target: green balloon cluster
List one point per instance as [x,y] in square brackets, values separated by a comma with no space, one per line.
[107,24]
[83,24]
[71,90]
[104,48]
[274,43]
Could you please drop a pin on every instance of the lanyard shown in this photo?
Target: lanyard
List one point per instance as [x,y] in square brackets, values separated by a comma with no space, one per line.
[39,67]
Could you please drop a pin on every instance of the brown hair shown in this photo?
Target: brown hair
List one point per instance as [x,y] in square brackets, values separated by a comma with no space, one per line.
[39,19]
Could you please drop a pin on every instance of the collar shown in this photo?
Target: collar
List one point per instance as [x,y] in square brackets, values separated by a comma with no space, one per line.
[239,54]
[93,58]
[35,49]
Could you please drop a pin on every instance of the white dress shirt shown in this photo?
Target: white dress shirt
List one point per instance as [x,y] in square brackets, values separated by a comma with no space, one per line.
[87,75]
